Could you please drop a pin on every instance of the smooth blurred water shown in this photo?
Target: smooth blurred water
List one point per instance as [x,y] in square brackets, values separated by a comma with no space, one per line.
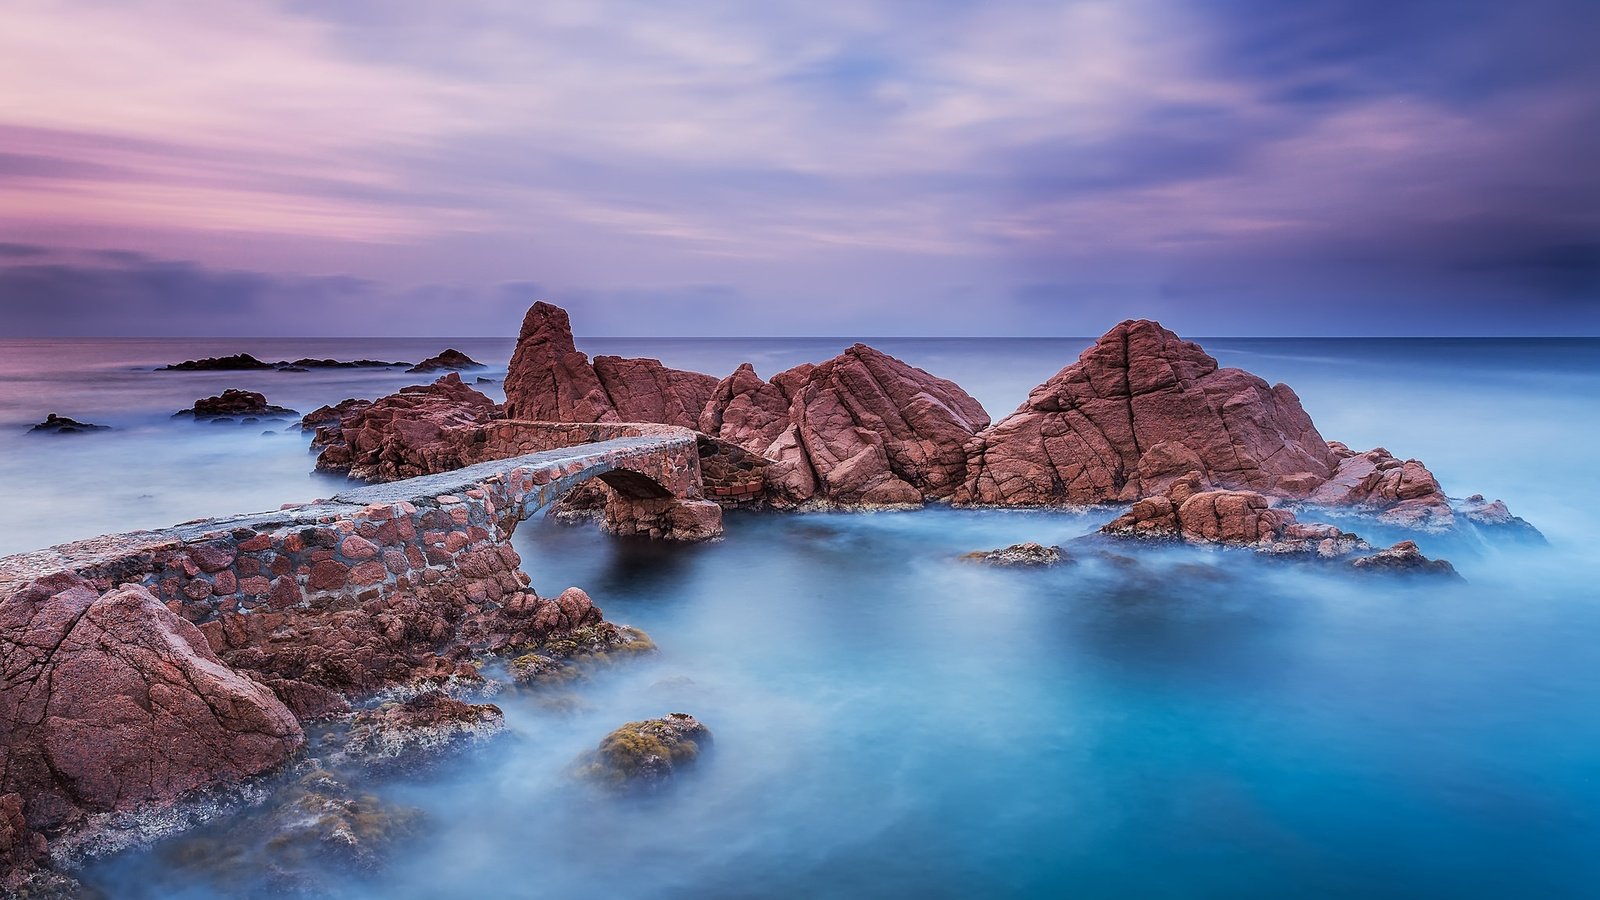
[893,722]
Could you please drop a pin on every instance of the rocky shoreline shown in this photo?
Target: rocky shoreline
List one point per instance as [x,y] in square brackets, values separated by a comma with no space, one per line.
[142,671]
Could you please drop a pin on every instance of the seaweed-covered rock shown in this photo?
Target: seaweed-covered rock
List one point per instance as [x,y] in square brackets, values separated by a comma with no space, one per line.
[1025,554]
[54,424]
[645,756]
[234,405]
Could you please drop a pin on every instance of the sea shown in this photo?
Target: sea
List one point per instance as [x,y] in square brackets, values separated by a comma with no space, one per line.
[893,722]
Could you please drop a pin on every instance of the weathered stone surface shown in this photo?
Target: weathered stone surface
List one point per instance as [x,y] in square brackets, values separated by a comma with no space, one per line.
[746,410]
[424,725]
[406,433]
[644,390]
[112,702]
[1140,408]
[1028,554]
[450,359]
[548,379]
[54,424]
[861,428]
[1238,518]
[235,405]
[645,756]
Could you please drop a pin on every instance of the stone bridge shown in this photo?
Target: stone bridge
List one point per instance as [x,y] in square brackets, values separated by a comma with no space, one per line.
[365,545]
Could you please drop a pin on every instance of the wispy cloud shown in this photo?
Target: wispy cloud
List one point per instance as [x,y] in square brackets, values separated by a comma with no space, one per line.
[854,160]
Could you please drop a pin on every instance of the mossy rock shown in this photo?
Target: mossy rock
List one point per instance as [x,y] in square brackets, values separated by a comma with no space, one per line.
[645,755]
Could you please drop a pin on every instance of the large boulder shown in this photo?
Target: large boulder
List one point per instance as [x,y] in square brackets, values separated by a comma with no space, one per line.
[746,410]
[405,434]
[110,702]
[1138,409]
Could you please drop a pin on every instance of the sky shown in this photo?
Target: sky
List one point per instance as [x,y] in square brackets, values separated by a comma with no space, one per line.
[939,167]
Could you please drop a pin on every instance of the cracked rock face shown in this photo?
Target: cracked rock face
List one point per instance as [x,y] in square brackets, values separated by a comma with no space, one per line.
[861,428]
[111,702]
[1138,409]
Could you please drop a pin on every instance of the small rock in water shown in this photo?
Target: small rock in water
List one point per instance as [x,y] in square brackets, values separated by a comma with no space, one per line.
[246,407]
[449,359]
[1026,554]
[420,727]
[1404,558]
[645,756]
[54,424]
[235,363]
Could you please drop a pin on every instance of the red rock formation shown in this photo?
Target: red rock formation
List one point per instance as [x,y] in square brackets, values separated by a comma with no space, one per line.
[643,390]
[404,434]
[330,415]
[1240,518]
[548,380]
[112,702]
[862,427]
[1402,493]
[232,404]
[1136,410]
[746,410]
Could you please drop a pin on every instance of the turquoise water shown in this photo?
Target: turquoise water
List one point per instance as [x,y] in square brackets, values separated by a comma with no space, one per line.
[893,722]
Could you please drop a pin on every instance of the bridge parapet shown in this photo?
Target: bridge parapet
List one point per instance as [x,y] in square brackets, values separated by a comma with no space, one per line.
[368,545]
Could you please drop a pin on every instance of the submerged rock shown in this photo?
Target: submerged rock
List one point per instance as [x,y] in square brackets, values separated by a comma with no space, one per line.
[1404,558]
[235,405]
[54,424]
[409,731]
[449,359]
[1026,554]
[645,756]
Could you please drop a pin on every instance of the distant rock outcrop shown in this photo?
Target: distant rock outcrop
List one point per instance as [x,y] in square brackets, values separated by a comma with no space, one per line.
[239,362]
[235,406]
[450,359]
[404,434]
[244,362]
[54,424]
